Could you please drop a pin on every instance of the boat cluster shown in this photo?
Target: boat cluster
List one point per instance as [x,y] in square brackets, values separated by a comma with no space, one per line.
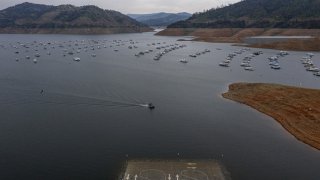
[309,65]
[229,58]
[168,49]
[141,53]
[199,53]
[274,60]
[68,48]
[246,62]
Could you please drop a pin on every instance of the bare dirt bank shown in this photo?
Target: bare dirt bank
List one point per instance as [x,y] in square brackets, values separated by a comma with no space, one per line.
[296,109]
[84,31]
[237,35]
[293,45]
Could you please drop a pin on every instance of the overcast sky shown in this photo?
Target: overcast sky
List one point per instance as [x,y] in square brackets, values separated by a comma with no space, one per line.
[134,6]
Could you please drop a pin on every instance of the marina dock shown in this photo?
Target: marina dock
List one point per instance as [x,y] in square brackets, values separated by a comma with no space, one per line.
[174,170]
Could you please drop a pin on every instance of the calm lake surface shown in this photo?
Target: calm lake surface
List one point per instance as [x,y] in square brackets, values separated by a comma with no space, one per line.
[88,120]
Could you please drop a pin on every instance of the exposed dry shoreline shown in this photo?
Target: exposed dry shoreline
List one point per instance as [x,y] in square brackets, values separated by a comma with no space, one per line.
[296,109]
[237,35]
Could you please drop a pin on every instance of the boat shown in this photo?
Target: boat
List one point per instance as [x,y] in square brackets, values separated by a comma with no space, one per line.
[313,69]
[310,54]
[283,53]
[317,74]
[249,68]
[35,61]
[277,67]
[244,64]
[151,106]
[76,59]
[183,60]
[223,64]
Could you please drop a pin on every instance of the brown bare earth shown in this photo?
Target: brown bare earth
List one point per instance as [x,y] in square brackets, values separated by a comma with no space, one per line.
[293,45]
[296,109]
[237,35]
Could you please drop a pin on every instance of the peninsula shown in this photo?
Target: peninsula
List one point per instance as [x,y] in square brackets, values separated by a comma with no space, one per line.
[296,109]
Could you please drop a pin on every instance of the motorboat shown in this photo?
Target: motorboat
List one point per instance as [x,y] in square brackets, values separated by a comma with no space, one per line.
[183,61]
[313,69]
[277,67]
[151,106]
[310,54]
[244,64]
[317,74]
[76,59]
[249,68]
[35,61]
[223,64]
[283,53]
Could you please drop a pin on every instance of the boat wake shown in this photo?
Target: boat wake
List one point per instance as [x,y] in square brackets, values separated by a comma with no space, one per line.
[20,97]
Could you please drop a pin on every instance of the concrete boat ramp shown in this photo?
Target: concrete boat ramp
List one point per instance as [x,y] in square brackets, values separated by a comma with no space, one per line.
[174,170]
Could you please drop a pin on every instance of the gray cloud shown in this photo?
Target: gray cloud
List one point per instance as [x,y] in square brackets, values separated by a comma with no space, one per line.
[135,6]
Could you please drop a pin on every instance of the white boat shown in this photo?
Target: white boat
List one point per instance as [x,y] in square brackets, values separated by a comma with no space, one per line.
[76,59]
[313,69]
[277,67]
[249,68]
[283,53]
[183,60]
[245,64]
[317,74]
[35,61]
[310,54]
[223,64]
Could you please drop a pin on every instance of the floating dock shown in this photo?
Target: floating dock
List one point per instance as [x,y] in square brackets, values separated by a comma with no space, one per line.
[174,170]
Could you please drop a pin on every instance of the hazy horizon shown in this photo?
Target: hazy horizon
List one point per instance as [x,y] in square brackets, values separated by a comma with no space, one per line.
[135,6]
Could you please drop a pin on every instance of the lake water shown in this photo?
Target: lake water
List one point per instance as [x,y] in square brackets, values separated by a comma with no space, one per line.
[87,120]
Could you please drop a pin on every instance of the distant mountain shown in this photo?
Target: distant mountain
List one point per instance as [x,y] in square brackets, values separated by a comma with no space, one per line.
[258,14]
[37,18]
[160,19]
